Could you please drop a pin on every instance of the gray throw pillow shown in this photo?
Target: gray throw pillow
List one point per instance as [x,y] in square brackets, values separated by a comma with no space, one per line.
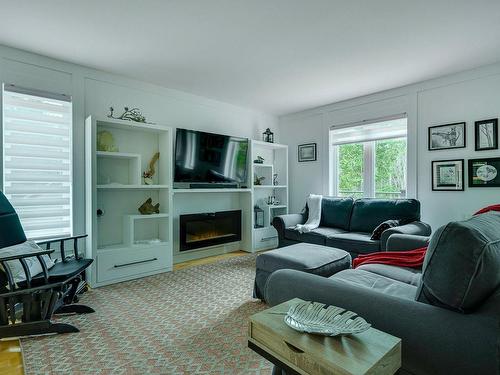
[461,267]
[377,232]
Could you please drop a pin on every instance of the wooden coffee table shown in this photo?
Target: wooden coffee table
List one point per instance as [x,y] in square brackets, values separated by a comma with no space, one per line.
[370,352]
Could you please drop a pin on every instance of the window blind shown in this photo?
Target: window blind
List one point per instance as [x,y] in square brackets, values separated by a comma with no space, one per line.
[372,131]
[37,165]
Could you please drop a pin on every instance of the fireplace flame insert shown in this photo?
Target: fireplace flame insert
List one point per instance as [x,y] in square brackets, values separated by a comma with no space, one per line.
[208,229]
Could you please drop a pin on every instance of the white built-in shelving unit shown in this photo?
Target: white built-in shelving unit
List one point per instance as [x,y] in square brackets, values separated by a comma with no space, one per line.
[124,243]
[275,162]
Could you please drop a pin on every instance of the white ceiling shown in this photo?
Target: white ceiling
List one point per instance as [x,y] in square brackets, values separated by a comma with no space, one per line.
[278,56]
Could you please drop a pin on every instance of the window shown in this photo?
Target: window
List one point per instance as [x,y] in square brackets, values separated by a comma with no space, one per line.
[37,164]
[369,160]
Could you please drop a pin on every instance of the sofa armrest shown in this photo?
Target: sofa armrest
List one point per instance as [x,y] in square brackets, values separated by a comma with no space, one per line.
[282,222]
[435,340]
[418,228]
[403,242]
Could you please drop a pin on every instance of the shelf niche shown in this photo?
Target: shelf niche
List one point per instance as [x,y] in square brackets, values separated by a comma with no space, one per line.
[141,230]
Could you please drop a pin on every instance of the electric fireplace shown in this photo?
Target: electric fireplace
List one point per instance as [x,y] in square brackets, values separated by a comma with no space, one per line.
[208,229]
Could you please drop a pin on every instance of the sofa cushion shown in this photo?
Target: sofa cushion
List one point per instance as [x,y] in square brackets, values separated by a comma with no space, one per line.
[377,283]
[336,212]
[368,213]
[316,236]
[354,242]
[404,274]
[461,267]
[320,260]
[15,266]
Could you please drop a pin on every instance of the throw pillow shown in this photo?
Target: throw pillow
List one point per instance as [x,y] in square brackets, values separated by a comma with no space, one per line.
[377,232]
[34,265]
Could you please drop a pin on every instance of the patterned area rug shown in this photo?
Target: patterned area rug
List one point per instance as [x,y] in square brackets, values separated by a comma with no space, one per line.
[192,321]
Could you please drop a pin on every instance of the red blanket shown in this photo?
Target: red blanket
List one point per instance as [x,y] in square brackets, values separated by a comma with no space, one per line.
[493,207]
[410,258]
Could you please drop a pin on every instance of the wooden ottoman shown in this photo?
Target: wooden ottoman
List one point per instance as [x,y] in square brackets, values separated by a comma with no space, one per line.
[316,259]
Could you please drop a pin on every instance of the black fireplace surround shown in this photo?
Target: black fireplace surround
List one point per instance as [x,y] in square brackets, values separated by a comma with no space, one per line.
[208,229]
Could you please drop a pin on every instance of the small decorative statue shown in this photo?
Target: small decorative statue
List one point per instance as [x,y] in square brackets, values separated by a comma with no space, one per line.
[148,175]
[147,208]
[258,180]
[106,142]
[275,179]
[259,160]
[133,114]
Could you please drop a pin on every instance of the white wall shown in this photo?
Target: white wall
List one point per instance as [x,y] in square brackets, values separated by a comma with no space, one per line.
[469,96]
[95,91]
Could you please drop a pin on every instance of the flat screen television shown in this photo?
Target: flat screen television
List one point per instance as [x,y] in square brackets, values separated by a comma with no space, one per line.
[206,158]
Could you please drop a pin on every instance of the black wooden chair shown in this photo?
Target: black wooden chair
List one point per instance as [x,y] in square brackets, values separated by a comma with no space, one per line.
[26,307]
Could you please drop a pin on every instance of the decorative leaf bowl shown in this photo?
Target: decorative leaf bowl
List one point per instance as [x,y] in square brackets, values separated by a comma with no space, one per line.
[320,319]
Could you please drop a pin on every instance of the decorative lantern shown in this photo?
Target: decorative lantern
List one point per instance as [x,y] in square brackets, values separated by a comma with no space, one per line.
[258,217]
[268,136]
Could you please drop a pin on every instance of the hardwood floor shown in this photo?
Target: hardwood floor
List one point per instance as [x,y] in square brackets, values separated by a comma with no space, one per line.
[11,359]
[208,260]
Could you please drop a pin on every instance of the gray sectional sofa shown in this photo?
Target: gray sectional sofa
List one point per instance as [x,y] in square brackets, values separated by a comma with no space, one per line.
[348,224]
[447,314]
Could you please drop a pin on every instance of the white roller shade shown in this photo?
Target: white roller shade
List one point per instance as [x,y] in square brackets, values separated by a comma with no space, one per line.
[37,164]
[371,131]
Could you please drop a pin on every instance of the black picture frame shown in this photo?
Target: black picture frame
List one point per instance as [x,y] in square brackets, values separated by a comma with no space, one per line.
[300,152]
[430,135]
[478,133]
[459,185]
[476,181]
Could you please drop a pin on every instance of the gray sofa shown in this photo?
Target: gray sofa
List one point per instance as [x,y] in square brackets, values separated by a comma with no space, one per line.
[348,224]
[447,315]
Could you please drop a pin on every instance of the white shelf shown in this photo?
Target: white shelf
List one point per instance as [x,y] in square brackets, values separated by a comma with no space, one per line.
[274,206]
[148,245]
[263,165]
[269,145]
[175,191]
[131,125]
[151,216]
[138,187]
[123,246]
[270,186]
[117,155]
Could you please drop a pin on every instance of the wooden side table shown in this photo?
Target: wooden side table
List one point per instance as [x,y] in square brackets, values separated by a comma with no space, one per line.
[370,352]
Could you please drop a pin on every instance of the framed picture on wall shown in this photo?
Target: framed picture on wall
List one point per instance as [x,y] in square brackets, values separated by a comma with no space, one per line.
[307,152]
[486,134]
[484,172]
[444,137]
[448,175]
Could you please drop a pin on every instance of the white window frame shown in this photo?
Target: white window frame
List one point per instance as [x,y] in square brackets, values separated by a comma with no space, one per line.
[368,158]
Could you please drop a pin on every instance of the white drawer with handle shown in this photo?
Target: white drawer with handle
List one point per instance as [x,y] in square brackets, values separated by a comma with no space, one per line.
[265,238]
[128,263]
